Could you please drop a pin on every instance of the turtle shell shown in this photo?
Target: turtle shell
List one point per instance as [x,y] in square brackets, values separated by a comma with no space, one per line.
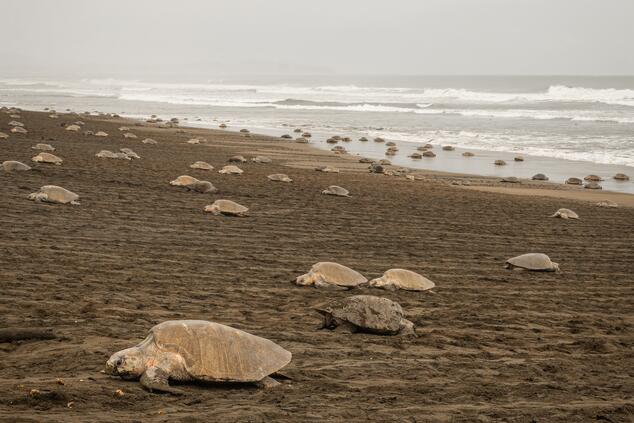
[369,313]
[183,181]
[540,177]
[226,207]
[11,165]
[43,147]
[231,169]
[201,165]
[215,352]
[334,274]
[403,279]
[533,261]
[55,194]
[47,158]
[280,177]
[336,190]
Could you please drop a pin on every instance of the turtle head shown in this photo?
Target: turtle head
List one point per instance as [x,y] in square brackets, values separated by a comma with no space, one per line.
[129,364]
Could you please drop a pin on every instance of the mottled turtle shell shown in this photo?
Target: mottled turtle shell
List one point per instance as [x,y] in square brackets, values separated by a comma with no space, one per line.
[215,352]
[594,178]
[402,279]
[416,156]
[149,141]
[429,154]
[226,207]
[47,158]
[333,274]
[510,179]
[231,169]
[129,135]
[280,177]
[54,194]
[336,190]
[107,154]
[367,312]
[13,165]
[592,185]
[201,165]
[183,181]
[533,261]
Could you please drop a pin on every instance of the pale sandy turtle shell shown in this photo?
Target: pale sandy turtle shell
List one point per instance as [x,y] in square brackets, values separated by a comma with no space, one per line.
[532,261]
[231,170]
[55,194]
[226,207]
[215,352]
[149,141]
[366,313]
[107,154]
[193,141]
[73,128]
[539,177]
[15,123]
[574,181]
[128,152]
[13,165]
[183,181]
[394,279]
[468,154]
[124,128]
[328,273]
[327,169]
[101,134]
[3,136]
[592,185]
[607,203]
[43,147]
[499,162]
[511,179]
[261,159]
[47,158]
[565,214]
[129,135]
[336,190]
[202,187]
[279,177]
[201,165]
[18,130]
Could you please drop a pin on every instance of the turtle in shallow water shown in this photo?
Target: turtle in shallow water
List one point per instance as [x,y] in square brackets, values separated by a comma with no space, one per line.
[55,194]
[198,350]
[532,261]
[394,279]
[511,179]
[261,159]
[565,214]
[574,181]
[226,207]
[539,177]
[13,165]
[499,163]
[592,185]
[336,190]
[429,154]
[365,313]
[468,154]
[518,158]
[594,178]
[128,152]
[415,156]
[330,274]
[621,177]
[231,170]
[448,148]
[43,147]
[47,158]
[607,203]
[327,169]
[279,177]
[201,186]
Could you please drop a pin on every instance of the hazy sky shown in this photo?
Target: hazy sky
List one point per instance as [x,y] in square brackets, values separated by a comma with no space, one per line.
[197,37]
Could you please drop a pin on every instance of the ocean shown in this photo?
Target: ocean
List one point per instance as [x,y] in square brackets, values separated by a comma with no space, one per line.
[585,120]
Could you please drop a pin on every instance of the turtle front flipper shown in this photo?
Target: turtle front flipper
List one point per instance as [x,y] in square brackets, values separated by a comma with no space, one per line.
[157,379]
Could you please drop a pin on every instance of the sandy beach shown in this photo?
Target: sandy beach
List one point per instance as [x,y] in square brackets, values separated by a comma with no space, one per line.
[492,344]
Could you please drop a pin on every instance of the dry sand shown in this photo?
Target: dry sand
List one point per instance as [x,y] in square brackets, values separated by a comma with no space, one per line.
[493,344]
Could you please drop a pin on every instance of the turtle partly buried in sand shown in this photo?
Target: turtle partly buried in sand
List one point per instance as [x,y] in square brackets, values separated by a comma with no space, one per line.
[326,274]
[198,350]
[13,165]
[47,158]
[55,194]
[336,190]
[537,262]
[365,313]
[565,214]
[394,279]
[226,207]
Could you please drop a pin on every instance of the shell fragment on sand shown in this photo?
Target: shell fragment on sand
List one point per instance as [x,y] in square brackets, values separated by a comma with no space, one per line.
[329,274]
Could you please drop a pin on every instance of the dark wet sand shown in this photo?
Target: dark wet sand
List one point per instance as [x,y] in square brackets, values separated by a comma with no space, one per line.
[492,345]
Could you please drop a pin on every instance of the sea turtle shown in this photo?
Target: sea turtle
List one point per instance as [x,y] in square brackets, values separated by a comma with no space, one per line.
[47,158]
[592,185]
[107,154]
[621,177]
[246,131]
[301,140]
[183,181]
[330,274]
[73,128]
[574,181]
[532,261]
[429,154]
[607,203]
[394,279]
[201,186]
[468,154]
[565,214]
[193,141]
[101,134]
[376,168]
[128,152]
[18,130]
[379,139]
[129,135]
[390,144]
[149,141]
[338,149]
[43,147]
[307,135]
[327,169]
[279,177]
[539,177]
[416,156]
[518,158]
[12,165]
[390,153]
[384,162]
[222,126]
[363,139]
[448,148]
[201,165]
[15,123]
[365,313]
[226,207]
[3,136]
[346,139]
[124,128]
[198,350]
[331,140]
[499,162]
[261,159]
[593,178]
[336,190]
[511,179]
[365,160]
[55,194]
[286,137]
[231,169]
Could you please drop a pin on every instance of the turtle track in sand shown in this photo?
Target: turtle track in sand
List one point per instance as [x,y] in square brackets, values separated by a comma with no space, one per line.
[491,342]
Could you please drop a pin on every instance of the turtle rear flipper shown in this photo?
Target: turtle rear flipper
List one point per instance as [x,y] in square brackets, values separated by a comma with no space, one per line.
[155,379]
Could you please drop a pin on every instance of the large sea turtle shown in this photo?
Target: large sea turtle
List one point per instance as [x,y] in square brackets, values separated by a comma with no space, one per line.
[3,136]
[198,350]
[394,279]
[226,207]
[336,190]
[330,274]
[532,261]
[73,128]
[55,194]
[231,170]
[202,187]
[128,152]
[201,165]
[107,154]
[18,130]
[565,214]
[13,165]
[365,313]
[47,158]
[183,181]
[279,177]
[43,147]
